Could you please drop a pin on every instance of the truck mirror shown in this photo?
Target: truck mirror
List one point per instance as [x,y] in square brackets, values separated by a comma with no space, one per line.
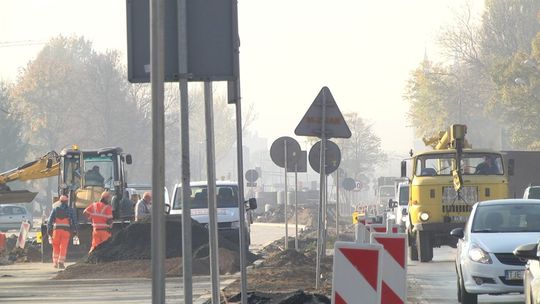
[403,168]
[511,166]
[252,203]
[129,160]
[391,204]
[167,208]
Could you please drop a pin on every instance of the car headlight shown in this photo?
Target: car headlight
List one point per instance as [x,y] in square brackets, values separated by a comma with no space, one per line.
[424,216]
[479,255]
[235,224]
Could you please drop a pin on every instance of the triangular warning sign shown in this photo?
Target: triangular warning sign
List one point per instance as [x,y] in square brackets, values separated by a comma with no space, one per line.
[395,247]
[388,296]
[365,261]
[312,123]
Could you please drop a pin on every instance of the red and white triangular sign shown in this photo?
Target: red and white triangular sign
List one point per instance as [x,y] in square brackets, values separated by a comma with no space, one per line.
[311,123]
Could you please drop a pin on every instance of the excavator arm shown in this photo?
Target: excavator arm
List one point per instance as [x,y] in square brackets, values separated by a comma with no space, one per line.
[46,166]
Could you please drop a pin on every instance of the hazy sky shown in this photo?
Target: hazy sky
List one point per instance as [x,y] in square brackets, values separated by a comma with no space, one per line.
[362,50]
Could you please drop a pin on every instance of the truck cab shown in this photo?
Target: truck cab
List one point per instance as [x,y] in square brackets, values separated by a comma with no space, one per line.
[228,216]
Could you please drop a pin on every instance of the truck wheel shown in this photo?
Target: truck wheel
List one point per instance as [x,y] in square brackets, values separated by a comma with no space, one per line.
[423,245]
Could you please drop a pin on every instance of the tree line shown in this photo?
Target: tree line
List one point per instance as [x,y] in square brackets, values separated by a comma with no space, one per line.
[489,78]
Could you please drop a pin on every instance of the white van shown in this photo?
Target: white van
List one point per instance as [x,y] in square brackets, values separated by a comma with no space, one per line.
[227,207]
[400,204]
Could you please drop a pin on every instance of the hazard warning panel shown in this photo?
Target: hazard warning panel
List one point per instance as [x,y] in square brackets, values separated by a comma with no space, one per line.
[394,267]
[356,273]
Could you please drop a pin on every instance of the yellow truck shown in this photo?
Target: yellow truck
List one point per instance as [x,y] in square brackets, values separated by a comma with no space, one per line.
[444,184]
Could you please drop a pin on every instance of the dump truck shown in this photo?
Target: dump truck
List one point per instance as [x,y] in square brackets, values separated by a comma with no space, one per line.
[444,184]
[75,169]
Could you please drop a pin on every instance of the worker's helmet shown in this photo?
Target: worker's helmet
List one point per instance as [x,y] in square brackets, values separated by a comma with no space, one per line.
[106,195]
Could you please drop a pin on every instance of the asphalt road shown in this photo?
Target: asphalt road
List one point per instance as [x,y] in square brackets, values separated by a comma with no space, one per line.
[435,282]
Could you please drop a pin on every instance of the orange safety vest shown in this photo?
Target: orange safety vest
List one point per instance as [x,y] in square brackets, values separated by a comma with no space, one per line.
[62,220]
[100,213]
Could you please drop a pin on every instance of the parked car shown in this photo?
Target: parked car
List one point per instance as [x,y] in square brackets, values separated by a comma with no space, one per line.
[485,263]
[11,217]
[531,277]
[532,192]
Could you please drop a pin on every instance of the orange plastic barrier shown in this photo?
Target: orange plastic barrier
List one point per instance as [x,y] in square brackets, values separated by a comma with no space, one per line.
[2,241]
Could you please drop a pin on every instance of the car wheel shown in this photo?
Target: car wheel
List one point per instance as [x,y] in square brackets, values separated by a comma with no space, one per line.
[465,297]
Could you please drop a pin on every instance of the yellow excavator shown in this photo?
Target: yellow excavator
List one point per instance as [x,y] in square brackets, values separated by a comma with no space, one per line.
[45,166]
[82,175]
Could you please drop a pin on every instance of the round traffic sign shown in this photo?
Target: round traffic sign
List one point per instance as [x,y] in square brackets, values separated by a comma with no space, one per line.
[277,151]
[252,175]
[332,158]
[348,184]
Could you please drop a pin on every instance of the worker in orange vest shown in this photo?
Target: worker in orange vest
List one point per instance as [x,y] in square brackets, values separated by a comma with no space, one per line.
[59,227]
[100,213]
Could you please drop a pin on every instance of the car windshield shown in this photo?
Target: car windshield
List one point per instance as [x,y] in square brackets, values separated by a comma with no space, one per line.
[387,191]
[404,196]
[514,217]
[471,164]
[227,197]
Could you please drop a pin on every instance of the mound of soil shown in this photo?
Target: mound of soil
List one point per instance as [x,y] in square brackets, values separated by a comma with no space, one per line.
[127,253]
[298,297]
[133,242]
[286,258]
[229,263]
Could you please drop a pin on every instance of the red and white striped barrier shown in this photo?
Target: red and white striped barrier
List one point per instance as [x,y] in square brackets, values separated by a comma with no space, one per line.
[394,267]
[381,228]
[357,273]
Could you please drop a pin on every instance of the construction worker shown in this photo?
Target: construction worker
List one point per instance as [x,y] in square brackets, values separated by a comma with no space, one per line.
[143,209]
[59,227]
[100,213]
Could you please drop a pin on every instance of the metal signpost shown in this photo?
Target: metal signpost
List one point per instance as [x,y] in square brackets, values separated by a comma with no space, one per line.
[183,40]
[157,64]
[283,152]
[300,165]
[324,120]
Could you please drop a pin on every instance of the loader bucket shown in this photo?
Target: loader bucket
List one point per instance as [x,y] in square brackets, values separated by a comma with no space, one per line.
[17,196]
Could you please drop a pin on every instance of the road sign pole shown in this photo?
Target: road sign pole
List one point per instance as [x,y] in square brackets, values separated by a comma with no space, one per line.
[337,204]
[187,256]
[322,186]
[211,175]
[286,197]
[157,76]
[296,206]
[242,207]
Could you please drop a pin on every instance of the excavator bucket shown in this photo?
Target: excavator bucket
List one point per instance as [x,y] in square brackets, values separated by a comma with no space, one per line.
[17,196]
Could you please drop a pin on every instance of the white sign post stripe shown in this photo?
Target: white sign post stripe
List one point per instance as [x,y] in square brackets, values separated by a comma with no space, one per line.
[394,274]
[349,282]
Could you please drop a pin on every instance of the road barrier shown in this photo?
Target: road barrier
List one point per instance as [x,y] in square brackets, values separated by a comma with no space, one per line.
[357,273]
[394,266]
[354,266]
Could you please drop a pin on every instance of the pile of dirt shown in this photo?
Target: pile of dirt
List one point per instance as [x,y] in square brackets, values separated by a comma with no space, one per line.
[298,297]
[229,263]
[133,242]
[12,254]
[306,216]
[289,257]
[127,254]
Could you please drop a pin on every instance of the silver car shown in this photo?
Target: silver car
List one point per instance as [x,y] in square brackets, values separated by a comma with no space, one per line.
[485,263]
[11,217]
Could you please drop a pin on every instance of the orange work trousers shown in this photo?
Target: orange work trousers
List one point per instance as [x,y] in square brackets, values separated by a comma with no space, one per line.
[60,242]
[98,237]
